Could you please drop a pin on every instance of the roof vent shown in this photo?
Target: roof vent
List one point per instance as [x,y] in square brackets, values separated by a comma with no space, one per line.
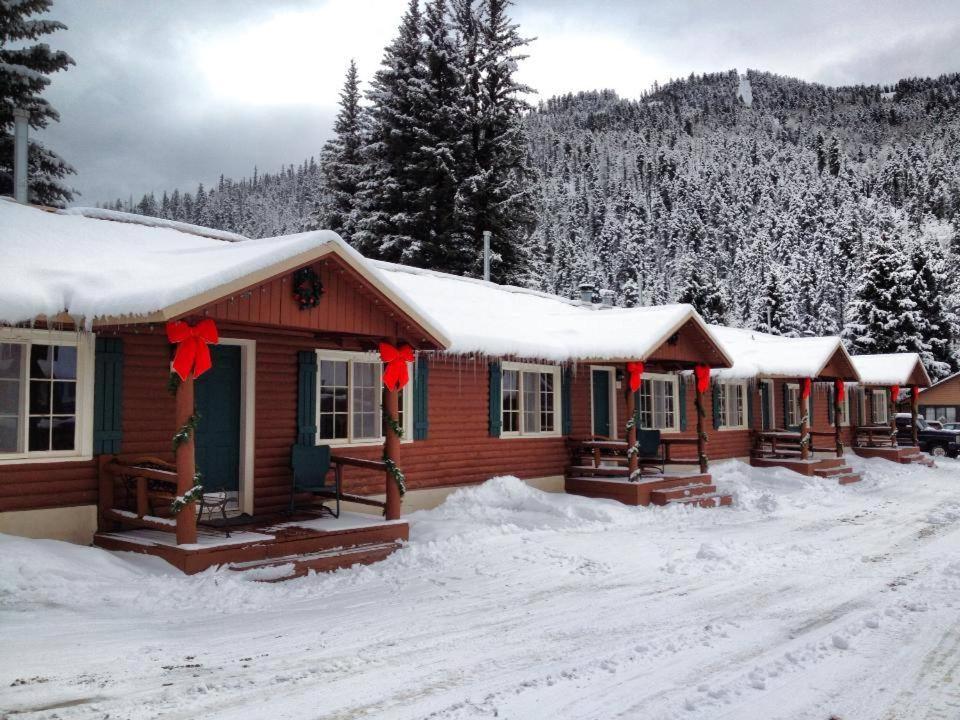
[606,298]
[586,292]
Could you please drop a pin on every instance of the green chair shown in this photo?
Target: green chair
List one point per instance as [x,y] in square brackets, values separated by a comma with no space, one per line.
[311,471]
[651,450]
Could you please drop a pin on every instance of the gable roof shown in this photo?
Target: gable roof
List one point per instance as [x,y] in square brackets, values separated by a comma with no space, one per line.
[756,354]
[501,320]
[948,378]
[93,271]
[891,369]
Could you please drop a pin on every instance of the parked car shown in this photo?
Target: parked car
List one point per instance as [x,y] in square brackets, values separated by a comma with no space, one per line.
[951,426]
[932,440]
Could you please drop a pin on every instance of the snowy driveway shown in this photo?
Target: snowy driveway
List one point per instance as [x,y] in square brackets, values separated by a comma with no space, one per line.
[805,600]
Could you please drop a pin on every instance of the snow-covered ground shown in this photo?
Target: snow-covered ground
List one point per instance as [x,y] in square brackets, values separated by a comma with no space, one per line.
[805,600]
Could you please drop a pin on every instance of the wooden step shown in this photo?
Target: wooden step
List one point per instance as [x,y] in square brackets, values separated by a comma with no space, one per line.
[292,566]
[832,471]
[604,470]
[705,501]
[665,495]
[849,478]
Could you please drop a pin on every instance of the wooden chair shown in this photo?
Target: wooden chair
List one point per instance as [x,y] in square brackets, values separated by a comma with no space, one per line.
[311,470]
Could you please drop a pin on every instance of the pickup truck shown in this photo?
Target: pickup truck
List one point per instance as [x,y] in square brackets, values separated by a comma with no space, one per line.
[936,442]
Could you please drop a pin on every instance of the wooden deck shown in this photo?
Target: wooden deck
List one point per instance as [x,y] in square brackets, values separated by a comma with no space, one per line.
[825,467]
[278,546]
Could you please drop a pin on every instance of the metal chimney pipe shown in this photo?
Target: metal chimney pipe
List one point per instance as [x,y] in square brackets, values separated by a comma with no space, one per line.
[21,119]
[486,255]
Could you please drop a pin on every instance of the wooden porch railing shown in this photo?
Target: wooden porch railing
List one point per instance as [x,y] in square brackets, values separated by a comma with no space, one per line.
[786,443]
[149,479]
[874,436]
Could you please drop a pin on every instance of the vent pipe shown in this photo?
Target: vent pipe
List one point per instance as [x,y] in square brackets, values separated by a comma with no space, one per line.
[21,118]
[486,255]
[586,292]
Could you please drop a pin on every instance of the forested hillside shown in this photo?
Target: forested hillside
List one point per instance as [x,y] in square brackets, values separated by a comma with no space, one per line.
[775,207]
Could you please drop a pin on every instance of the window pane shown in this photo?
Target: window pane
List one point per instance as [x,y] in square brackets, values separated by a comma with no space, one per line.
[38,434]
[63,433]
[340,426]
[64,398]
[11,355]
[64,362]
[9,397]
[39,397]
[531,402]
[9,434]
[326,426]
[510,390]
[40,361]
[546,402]
[326,399]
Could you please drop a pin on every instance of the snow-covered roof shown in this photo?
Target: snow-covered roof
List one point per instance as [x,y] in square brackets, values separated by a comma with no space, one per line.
[150,221]
[756,354]
[56,264]
[891,369]
[483,317]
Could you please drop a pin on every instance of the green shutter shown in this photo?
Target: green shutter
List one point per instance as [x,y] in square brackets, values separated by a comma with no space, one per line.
[830,406]
[715,398]
[421,415]
[108,396]
[496,384]
[810,405]
[749,400]
[566,409]
[682,400]
[786,404]
[307,398]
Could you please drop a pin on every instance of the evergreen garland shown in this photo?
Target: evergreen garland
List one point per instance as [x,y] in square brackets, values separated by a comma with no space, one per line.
[398,477]
[173,383]
[191,495]
[186,431]
[307,288]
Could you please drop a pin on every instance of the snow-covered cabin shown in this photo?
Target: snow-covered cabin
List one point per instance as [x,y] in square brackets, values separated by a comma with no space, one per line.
[503,380]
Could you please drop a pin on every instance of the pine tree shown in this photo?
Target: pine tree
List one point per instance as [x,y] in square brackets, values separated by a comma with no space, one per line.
[881,298]
[699,287]
[24,74]
[388,223]
[341,162]
[929,291]
[773,305]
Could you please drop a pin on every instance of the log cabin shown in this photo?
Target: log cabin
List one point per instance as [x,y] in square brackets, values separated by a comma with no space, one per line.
[940,401]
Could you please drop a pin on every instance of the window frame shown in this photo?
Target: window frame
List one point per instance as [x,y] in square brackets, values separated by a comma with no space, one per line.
[520,368]
[85,344]
[406,408]
[791,404]
[845,404]
[740,385]
[873,407]
[674,380]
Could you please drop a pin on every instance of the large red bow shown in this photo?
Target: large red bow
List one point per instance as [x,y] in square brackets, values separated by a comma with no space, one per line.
[192,351]
[702,373]
[805,386]
[894,392]
[395,373]
[840,389]
[635,369]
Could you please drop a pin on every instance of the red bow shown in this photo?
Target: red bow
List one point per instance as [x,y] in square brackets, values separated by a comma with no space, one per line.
[702,373]
[805,386]
[395,373]
[840,390]
[192,351]
[894,392]
[635,369]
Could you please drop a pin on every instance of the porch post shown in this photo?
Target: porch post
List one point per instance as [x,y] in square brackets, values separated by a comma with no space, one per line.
[804,421]
[701,433]
[914,402]
[837,407]
[632,460]
[892,417]
[391,450]
[186,465]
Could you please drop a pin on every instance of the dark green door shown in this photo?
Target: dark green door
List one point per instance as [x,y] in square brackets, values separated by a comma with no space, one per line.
[218,435]
[765,419]
[601,403]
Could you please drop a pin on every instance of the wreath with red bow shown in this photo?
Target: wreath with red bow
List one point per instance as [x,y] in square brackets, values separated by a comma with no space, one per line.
[307,288]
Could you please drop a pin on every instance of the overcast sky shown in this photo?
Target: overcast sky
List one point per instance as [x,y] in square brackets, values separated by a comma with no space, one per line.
[173,92]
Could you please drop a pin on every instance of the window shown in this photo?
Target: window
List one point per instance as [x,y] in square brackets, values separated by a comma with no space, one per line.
[349,396]
[768,410]
[732,399]
[880,407]
[659,402]
[844,408]
[45,390]
[941,413]
[791,412]
[529,399]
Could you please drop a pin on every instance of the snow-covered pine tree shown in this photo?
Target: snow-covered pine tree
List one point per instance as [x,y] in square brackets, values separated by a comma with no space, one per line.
[341,164]
[24,74]
[881,299]
[929,291]
[699,287]
[387,221]
[772,307]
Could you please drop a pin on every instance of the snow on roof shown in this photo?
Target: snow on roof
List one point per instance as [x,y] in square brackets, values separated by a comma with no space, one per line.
[150,221]
[888,369]
[757,354]
[483,317]
[66,263]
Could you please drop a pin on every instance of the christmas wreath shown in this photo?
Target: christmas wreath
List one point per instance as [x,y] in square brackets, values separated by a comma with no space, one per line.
[307,288]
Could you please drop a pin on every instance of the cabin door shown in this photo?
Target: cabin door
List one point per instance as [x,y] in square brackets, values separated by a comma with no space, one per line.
[601,387]
[218,402]
[766,405]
